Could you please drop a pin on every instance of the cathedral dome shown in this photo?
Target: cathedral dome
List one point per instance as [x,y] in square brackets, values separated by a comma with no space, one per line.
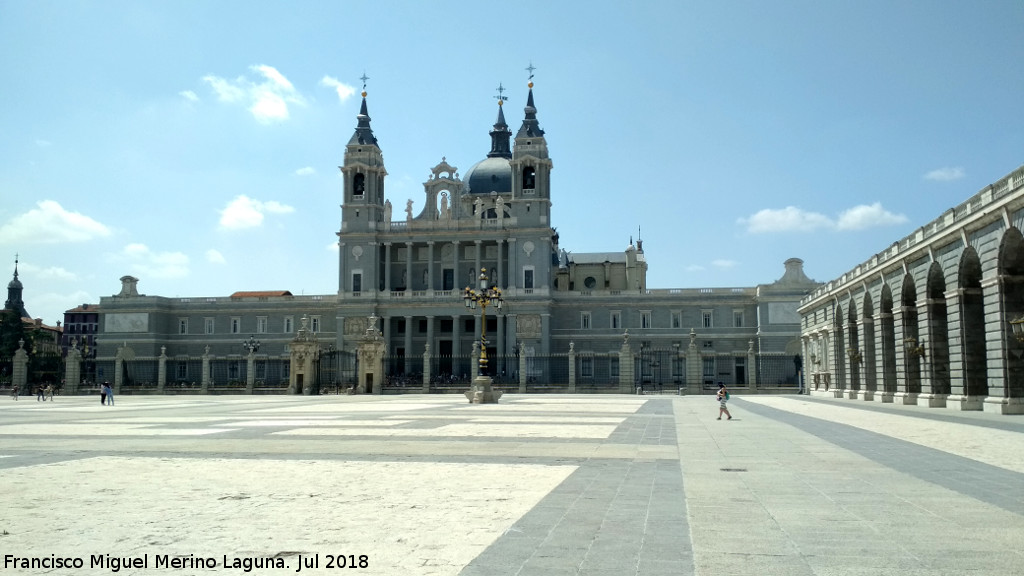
[489,175]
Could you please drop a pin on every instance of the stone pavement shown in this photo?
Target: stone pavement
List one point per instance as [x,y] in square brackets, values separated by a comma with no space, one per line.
[536,485]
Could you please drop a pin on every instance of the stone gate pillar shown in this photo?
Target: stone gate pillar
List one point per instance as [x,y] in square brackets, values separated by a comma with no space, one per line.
[626,366]
[752,364]
[72,368]
[204,384]
[572,367]
[304,351]
[19,372]
[161,373]
[124,355]
[522,368]
[694,366]
[371,351]
[426,368]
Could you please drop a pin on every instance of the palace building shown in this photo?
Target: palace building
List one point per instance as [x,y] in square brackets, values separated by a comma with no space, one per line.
[936,319]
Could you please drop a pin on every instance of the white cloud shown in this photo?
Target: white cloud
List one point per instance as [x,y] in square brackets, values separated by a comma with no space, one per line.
[333,247]
[788,219]
[189,95]
[792,219]
[305,171]
[215,257]
[267,101]
[344,90]
[694,268]
[145,263]
[945,174]
[863,216]
[724,263]
[245,212]
[50,274]
[50,223]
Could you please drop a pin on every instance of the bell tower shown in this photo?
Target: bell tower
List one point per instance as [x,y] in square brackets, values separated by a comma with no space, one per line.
[531,168]
[364,174]
[363,210]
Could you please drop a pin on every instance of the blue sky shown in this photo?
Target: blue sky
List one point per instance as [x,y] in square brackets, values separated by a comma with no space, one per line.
[195,145]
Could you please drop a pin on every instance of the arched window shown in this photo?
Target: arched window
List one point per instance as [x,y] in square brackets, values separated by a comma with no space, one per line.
[529,178]
[358,184]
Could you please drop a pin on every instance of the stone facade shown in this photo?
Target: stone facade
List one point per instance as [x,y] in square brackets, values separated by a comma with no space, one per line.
[927,321]
[408,270]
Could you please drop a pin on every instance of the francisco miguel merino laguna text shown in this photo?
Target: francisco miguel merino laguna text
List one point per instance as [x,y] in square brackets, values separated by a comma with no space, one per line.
[116,563]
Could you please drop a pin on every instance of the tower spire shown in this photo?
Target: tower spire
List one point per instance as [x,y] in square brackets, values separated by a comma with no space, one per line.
[14,290]
[500,135]
[363,134]
[530,127]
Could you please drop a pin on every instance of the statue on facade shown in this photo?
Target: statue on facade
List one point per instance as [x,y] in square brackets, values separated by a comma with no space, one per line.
[408,210]
[499,206]
[445,211]
[387,210]
[478,206]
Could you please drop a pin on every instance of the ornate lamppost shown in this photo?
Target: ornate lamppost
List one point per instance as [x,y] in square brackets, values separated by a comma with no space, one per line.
[486,295]
[253,346]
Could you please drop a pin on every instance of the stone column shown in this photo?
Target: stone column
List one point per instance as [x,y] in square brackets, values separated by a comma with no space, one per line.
[250,371]
[19,370]
[407,343]
[1005,366]
[456,342]
[752,364]
[905,386]
[474,369]
[388,286]
[626,370]
[72,368]
[513,264]
[545,335]
[455,264]
[958,397]
[408,267]
[430,265]
[572,367]
[125,354]
[932,394]
[205,384]
[499,275]
[522,368]
[881,363]
[476,271]
[500,338]
[426,368]
[161,377]
[694,366]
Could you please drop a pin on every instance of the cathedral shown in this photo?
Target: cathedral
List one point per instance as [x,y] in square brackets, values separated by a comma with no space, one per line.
[573,315]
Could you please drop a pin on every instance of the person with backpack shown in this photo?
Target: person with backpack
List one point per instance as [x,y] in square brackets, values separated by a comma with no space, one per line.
[723,399]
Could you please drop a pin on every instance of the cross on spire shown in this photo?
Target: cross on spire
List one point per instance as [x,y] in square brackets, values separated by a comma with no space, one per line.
[530,69]
[364,78]
[501,94]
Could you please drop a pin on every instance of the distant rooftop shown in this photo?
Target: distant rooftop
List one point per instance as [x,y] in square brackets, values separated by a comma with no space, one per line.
[261,294]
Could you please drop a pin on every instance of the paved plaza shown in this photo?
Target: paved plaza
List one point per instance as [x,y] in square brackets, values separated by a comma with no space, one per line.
[538,485]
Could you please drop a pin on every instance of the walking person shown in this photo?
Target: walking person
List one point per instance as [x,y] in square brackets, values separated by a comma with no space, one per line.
[723,399]
[39,394]
[110,394]
[103,393]
[14,392]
